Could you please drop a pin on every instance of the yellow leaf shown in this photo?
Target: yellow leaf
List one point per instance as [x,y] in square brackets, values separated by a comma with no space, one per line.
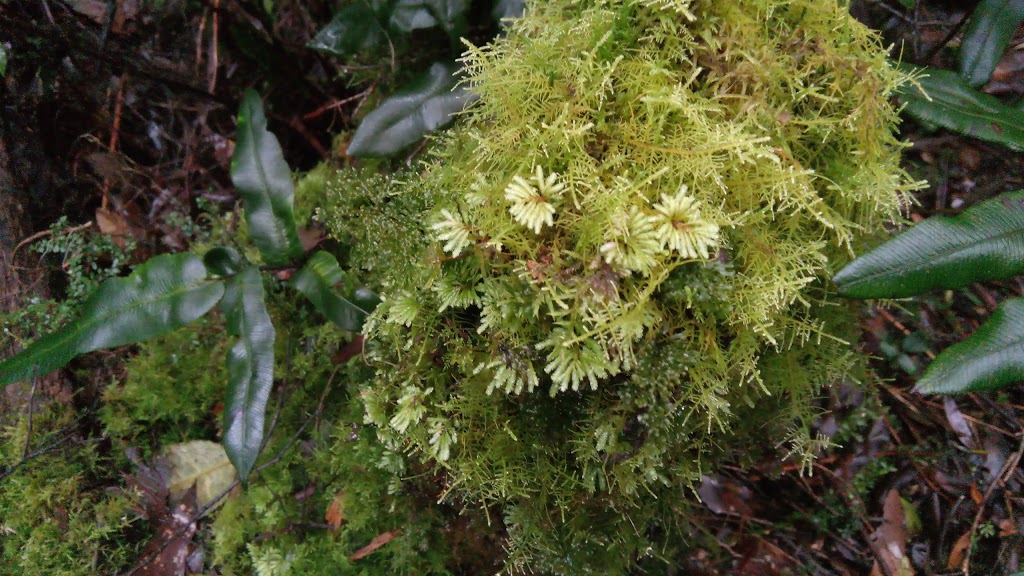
[202,463]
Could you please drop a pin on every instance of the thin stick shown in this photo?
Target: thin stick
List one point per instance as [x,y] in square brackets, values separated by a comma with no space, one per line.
[337,103]
[1007,471]
[45,233]
[115,130]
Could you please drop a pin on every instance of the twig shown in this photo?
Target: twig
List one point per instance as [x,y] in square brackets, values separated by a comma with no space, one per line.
[115,130]
[337,104]
[1007,471]
[213,62]
[899,325]
[45,233]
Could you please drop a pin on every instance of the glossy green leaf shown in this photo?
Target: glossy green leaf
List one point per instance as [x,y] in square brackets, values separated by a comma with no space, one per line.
[988,34]
[250,369]
[222,261]
[956,106]
[3,61]
[990,358]
[264,182]
[167,292]
[355,29]
[985,242]
[317,281]
[425,105]
[449,15]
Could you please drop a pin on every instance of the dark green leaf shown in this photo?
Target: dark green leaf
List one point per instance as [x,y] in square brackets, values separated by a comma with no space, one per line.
[504,9]
[989,31]
[250,369]
[425,105]
[353,30]
[264,182]
[956,106]
[167,292]
[986,242]
[449,15]
[317,280]
[3,61]
[222,261]
[990,358]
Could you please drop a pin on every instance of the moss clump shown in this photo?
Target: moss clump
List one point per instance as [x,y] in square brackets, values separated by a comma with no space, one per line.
[55,517]
[624,261]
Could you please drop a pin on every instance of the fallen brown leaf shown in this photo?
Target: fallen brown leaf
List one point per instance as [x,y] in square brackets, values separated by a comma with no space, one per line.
[310,237]
[889,540]
[336,510]
[349,351]
[377,542]
[1007,528]
[114,225]
[959,552]
[976,494]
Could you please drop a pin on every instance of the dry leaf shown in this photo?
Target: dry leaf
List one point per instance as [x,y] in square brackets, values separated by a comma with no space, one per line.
[202,463]
[1007,528]
[311,237]
[976,494]
[889,541]
[168,550]
[959,552]
[114,225]
[958,421]
[377,542]
[349,351]
[336,510]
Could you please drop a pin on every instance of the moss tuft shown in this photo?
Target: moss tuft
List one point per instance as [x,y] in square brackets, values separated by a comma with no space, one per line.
[614,273]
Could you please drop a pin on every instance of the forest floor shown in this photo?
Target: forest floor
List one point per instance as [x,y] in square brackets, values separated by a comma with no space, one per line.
[123,124]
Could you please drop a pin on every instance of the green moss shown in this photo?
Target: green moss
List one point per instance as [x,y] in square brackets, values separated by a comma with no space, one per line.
[55,517]
[613,274]
[171,388]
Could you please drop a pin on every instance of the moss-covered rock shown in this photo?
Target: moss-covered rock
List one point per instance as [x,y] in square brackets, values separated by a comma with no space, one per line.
[612,274]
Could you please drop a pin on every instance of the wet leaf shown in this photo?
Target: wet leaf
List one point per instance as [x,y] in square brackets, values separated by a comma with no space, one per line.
[449,15]
[958,422]
[222,261]
[264,182]
[911,519]
[353,30]
[990,358]
[985,242]
[421,107]
[165,293]
[988,34]
[202,464]
[167,552]
[952,104]
[317,281]
[250,369]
